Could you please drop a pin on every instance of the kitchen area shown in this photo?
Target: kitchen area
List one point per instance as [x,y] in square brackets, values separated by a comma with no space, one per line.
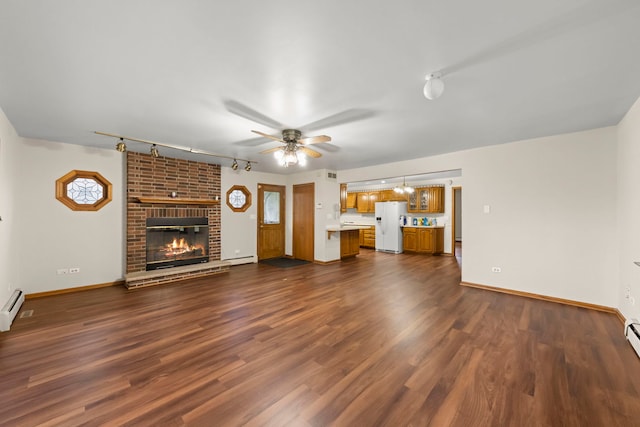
[398,215]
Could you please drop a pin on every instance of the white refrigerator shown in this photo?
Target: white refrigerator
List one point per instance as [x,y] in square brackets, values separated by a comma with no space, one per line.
[388,232]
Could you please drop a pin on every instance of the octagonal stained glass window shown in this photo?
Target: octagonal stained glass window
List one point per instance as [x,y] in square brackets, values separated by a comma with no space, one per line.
[83,190]
[238,198]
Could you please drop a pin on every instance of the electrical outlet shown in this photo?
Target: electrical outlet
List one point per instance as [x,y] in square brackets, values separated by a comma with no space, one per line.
[74,270]
[627,293]
[496,269]
[63,271]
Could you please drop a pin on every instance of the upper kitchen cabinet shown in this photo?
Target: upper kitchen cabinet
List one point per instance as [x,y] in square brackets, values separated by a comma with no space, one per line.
[392,196]
[426,200]
[351,200]
[343,198]
[366,201]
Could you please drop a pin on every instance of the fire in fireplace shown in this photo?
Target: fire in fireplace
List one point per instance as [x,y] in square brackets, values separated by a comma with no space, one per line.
[172,242]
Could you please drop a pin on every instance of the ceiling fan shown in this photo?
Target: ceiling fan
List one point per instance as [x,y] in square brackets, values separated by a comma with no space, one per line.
[294,150]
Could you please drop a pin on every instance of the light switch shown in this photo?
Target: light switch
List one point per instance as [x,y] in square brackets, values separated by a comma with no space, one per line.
[487,209]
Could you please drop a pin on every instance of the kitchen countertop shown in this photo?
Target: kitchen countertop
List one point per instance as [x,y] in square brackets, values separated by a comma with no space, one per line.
[345,227]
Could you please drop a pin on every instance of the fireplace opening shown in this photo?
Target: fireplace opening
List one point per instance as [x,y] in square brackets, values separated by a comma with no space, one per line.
[172,242]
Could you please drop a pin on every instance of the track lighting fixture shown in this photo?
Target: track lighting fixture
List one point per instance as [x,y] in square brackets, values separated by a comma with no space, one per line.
[434,86]
[120,146]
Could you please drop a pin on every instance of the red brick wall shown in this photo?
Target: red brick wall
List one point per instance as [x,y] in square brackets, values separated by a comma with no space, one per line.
[149,177]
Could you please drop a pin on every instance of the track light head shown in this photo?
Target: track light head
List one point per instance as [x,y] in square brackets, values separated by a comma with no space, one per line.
[248,167]
[154,151]
[234,165]
[120,146]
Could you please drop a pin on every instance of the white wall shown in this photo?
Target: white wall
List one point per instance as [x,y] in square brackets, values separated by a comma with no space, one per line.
[327,212]
[551,226]
[51,236]
[239,230]
[9,141]
[629,210]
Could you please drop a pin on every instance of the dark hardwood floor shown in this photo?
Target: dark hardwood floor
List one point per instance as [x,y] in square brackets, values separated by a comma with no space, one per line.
[381,339]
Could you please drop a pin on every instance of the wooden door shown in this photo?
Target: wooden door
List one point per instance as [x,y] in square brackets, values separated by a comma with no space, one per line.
[270,221]
[303,221]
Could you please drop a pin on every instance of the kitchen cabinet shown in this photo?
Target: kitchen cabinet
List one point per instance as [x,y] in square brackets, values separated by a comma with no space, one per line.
[426,200]
[436,199]
[349,243]
[409,239]
[368,238]
[343,198]
[366,201]
[423,239]
[351,200]
[392,196]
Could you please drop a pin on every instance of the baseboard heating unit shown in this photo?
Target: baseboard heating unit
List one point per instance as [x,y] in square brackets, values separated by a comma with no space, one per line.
[632,332]
[10,310]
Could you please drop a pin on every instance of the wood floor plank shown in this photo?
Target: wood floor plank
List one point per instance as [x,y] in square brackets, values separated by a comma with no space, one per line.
[380,339]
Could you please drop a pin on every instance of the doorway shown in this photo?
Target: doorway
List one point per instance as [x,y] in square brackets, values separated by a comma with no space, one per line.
[456,222]
[303,221]
[271,225]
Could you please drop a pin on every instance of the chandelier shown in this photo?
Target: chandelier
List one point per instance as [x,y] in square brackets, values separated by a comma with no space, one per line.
[404,189]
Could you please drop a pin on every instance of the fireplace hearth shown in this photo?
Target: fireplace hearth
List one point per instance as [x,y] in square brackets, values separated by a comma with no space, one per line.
[173,242]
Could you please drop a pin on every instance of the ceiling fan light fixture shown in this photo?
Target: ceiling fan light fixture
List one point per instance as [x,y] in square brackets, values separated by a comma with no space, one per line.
[302,159]
[290,158]
[434,86]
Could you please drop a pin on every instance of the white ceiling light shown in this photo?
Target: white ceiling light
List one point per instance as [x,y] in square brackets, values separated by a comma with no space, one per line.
[434,86]
[289,155]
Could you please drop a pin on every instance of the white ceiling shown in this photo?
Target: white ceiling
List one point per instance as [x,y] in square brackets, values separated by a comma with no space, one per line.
[202,74]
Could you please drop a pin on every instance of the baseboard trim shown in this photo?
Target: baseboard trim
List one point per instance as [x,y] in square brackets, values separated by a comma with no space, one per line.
[545,298]
[70,290]
[620,316]
[317,261]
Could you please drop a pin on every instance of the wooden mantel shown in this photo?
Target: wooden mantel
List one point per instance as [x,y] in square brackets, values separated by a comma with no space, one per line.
[176,201]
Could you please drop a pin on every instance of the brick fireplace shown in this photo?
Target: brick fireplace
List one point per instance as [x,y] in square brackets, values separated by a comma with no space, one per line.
[165,187]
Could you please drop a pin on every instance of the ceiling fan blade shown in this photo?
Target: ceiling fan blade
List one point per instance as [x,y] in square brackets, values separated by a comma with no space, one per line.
[347,116]
[253,142]
[309,152]
[271,150]
[314,139]
[243,111]
[275,138]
